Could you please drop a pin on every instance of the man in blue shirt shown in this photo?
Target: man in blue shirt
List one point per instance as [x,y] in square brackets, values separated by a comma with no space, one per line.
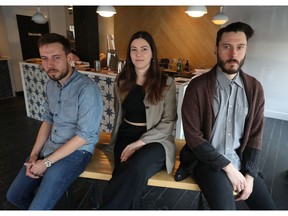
[68,134]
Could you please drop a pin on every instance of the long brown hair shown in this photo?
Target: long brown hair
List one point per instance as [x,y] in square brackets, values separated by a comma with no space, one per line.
[155,81]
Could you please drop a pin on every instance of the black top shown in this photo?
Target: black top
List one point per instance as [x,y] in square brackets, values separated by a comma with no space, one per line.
[134,106]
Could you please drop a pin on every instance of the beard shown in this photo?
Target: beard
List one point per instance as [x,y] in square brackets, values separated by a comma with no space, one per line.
[58,75]
[233,70]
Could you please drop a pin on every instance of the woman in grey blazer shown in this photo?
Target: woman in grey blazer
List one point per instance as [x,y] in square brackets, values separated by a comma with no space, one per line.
[145,116]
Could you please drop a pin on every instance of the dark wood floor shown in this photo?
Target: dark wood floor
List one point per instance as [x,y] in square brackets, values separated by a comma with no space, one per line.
[18,133]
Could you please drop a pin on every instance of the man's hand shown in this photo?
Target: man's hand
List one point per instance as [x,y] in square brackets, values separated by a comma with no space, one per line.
[247,190]
[35,169]
[29,164]
[236,178]
[130,149]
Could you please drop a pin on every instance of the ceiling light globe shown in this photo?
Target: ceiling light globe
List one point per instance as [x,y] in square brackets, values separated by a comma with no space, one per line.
[220,19]
[196,11]
[39,18]
[106,11]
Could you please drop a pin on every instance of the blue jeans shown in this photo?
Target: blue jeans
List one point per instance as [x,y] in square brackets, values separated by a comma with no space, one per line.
[43,193]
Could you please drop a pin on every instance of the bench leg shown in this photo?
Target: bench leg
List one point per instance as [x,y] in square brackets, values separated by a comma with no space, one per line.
[93,192]
[95,195]
[202,203]
[70,198]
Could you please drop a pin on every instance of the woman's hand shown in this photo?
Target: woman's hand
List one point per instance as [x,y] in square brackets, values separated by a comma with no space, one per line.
[130,149]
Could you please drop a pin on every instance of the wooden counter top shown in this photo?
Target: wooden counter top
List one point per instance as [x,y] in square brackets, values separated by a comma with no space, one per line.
[82,69]
[100,72]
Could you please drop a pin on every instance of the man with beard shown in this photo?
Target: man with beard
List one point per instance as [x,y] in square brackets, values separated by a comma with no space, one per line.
[223,122]
[68,134]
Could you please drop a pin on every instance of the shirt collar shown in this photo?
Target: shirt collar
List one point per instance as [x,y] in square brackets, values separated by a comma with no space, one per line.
[225,82]
[71,78]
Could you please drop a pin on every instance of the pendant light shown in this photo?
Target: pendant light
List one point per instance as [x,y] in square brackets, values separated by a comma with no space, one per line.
[196,11]
[39,17]
[106,11]
[220,18]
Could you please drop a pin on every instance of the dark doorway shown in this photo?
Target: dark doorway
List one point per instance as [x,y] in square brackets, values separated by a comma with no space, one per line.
[86,33]
[29,33]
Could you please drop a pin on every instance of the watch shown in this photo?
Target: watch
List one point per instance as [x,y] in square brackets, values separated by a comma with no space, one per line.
[47,162]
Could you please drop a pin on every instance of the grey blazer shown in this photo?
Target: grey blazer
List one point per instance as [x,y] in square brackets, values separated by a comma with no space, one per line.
[161,119]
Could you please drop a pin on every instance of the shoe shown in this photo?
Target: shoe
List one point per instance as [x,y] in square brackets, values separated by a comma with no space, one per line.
[181,174]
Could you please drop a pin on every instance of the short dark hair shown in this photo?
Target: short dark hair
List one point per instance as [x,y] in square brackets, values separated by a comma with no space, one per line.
[235,27]
[55,38]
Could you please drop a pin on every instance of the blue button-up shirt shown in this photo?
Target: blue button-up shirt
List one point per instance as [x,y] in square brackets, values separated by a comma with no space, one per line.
[73,109]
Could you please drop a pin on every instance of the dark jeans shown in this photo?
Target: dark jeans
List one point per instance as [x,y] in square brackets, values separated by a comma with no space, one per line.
[217,190]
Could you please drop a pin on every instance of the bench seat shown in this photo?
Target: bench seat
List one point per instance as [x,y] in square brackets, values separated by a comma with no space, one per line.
[101,166]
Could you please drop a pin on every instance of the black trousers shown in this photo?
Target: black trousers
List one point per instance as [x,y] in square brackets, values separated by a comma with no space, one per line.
[217,190]
[129,179]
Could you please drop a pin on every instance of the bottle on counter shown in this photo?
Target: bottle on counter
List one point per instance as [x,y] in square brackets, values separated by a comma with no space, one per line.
[179,66]
[187,66]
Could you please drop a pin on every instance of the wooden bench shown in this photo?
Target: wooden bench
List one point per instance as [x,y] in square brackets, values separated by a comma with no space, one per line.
[101,166]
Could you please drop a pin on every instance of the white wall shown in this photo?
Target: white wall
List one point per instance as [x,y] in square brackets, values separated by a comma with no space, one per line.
[57,24]
[4,48]
[267,57]
[105,27]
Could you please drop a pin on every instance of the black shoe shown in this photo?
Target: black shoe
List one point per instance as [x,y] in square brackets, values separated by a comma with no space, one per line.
[181,174]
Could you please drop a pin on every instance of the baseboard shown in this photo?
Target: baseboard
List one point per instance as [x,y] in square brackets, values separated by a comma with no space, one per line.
[276,115]
[19,93]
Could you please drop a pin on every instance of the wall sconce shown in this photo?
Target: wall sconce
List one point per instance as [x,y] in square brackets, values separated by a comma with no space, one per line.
[39,17]
[196,11]
[220,18]
[106,11]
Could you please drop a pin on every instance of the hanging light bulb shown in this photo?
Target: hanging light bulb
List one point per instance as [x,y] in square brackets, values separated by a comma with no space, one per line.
[196,11]
[220,18]
[39,17]
[106,11]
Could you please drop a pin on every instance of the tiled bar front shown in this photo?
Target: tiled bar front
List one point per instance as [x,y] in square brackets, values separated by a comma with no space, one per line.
[34,81]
